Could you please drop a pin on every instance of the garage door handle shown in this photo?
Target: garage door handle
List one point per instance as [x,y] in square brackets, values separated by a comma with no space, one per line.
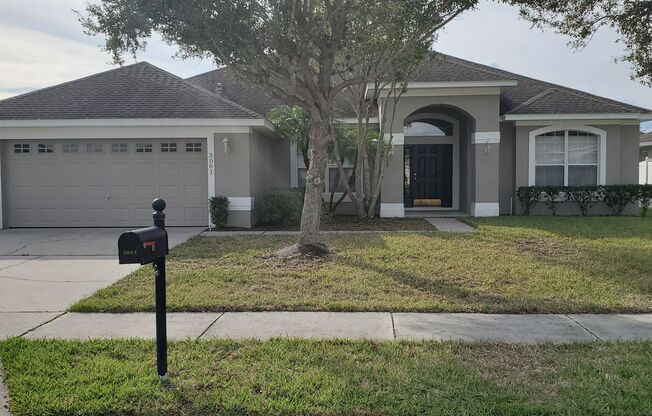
[108,196]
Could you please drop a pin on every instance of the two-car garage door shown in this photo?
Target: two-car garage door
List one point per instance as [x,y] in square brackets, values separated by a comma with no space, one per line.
[105,183]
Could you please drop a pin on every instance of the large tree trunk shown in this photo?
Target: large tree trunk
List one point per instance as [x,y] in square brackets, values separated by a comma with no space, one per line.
[312,203]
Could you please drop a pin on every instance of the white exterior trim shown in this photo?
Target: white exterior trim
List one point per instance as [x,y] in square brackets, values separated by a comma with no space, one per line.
[602,156]
[392,210]
[589,116]
[141,122]
[210,164]
[485,209]
[398,139]
[645,144]
[241,203]
[451,84]
[485,137]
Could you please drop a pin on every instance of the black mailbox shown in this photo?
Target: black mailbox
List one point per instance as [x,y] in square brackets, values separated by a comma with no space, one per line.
[143,246]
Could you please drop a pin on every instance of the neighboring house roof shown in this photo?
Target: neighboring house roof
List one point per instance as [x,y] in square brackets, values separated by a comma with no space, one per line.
[136,91]
[530,96]
[646,138]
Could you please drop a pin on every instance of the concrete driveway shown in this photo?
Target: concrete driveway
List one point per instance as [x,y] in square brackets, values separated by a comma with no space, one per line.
[44,271]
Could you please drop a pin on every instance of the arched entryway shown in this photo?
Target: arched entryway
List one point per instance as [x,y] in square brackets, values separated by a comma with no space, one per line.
[436,139]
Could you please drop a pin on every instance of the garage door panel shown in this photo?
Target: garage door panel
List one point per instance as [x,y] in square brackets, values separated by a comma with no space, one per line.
[96,169]
[194,214]
[144,170]
[105,189]
[169,169]
[194,192]
[193,170]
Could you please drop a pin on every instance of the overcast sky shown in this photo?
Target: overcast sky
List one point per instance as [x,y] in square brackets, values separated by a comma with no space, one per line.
[42,43]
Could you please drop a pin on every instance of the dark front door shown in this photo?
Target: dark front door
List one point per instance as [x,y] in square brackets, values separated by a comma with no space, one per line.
[430,180]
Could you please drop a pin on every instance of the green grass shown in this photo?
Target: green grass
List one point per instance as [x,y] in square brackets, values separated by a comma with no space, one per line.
[512,265]
[294,377]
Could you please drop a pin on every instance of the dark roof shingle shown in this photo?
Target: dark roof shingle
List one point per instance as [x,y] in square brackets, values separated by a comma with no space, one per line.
[136,91]
[530,96]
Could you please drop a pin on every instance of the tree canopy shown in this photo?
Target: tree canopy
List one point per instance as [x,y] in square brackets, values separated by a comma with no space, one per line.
[304,52]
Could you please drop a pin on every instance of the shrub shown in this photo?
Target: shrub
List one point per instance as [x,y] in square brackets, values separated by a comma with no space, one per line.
[584,196]
[280,207]
[219,209]
[618,197]
[529,196]
[645,198]
[551,195]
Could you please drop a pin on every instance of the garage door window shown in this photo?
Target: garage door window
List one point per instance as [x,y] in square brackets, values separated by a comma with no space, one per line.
[70,148]
[193,147]
[168,147]
[94,148]
[119,148]
[21,148]
[45,148]
[143,148]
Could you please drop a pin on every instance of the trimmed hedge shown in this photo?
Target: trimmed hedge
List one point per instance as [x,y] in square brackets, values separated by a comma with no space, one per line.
[616,197]
[219,209]
[280,207]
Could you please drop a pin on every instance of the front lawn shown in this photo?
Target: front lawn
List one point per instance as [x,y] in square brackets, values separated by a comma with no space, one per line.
[512,265]
[299,377]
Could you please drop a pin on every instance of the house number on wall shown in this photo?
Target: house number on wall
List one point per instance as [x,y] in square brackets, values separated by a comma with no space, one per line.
[210,163]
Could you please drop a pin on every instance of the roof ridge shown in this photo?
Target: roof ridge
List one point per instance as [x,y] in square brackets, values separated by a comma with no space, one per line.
[25,94]
[207,92]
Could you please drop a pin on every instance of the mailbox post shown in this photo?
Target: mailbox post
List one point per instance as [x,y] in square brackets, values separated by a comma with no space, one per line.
[159,284]
[144,246]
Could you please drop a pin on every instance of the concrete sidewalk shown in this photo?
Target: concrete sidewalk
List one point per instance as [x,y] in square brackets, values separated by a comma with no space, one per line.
[354,325]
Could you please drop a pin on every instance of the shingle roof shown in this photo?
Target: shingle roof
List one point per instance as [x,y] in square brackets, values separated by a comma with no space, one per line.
[646,137]
[136,91]
[530,96]
[446,68]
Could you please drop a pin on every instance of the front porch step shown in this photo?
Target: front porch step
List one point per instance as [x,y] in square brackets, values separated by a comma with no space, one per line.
[424,213]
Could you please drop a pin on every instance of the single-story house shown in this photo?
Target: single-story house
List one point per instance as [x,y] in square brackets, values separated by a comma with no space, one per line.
[646,146]
[645,165]
[95,151]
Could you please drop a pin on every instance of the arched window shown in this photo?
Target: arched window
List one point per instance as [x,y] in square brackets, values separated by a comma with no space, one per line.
[429,127]
[566,157]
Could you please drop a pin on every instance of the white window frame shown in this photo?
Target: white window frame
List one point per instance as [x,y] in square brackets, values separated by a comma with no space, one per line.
[169,147]
[94,148]
[602,150]
[23,147]
[70,148]
[44,148]
[119,147]
[194,147]
[144,148]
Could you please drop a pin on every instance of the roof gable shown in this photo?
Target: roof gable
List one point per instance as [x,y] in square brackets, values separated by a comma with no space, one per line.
[136,91]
